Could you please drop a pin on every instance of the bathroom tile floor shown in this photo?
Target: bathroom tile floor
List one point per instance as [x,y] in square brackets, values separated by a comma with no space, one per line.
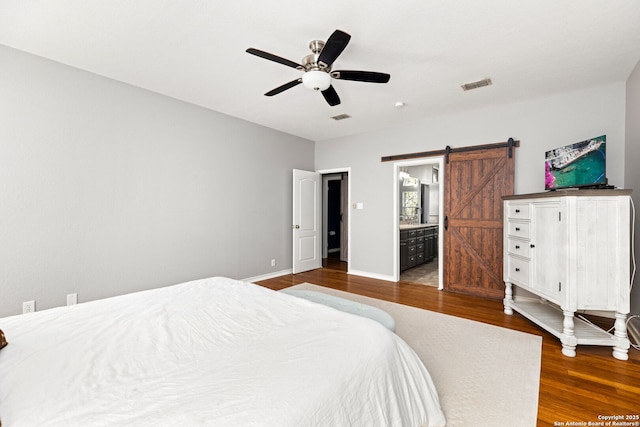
[425,274]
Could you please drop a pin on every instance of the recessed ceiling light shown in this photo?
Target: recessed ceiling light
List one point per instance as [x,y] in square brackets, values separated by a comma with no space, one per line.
[400,104]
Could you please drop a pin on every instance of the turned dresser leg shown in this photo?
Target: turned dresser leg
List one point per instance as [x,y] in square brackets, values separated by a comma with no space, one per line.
[621,349]
[508,298]
[569,341]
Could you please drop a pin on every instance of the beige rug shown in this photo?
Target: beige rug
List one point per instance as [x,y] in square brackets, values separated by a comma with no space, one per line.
[485,375]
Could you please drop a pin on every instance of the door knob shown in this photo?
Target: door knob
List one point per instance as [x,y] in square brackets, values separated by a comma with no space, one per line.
[295,226]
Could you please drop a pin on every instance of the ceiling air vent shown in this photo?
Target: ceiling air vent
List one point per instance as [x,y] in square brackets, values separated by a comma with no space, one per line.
[476,85]
[341,117]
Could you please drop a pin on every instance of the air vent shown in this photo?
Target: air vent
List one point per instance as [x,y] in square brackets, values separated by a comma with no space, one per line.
[476,85]
[341,117]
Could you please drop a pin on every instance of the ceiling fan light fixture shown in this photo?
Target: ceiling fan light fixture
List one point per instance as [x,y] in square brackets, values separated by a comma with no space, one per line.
[316,80]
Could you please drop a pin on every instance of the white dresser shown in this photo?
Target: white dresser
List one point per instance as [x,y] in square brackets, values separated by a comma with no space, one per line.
[568,251]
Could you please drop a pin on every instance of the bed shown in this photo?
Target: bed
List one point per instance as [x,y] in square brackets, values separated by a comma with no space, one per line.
[209,352]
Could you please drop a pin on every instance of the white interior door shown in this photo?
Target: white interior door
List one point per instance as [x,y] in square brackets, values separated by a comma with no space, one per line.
[307,236]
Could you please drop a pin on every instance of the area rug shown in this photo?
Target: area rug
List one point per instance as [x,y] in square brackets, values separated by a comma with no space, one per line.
[485,375]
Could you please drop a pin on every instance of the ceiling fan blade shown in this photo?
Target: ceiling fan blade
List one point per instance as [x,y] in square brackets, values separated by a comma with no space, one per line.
[274,58]
[333,47]
[361,76]
[284,87]
[331,96]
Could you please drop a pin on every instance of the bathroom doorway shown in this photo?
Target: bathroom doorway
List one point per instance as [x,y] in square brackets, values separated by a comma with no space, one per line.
[418,209]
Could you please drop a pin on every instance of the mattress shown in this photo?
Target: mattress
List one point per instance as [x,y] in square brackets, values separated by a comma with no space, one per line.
[209,352]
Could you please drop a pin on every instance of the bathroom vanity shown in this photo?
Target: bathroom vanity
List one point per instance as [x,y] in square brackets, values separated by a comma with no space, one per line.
[418,244]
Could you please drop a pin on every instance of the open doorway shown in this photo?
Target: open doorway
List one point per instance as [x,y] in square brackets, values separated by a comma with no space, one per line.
[310,219]
[418,216]
[335,210]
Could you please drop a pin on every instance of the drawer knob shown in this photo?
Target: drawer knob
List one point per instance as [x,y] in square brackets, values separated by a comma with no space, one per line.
[532,245]
[517,210]
[517,246]
[517,269]
[517,228]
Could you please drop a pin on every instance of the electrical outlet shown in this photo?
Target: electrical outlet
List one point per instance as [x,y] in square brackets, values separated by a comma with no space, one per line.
[273,263]
[72,299]
[28,307]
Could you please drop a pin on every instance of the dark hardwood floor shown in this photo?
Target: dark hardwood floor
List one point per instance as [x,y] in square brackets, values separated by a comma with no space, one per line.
[572,390]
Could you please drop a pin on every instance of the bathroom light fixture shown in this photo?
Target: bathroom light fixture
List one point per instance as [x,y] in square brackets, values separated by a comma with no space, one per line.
[410,182]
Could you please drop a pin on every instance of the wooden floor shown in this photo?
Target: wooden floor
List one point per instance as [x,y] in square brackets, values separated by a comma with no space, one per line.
[572,390]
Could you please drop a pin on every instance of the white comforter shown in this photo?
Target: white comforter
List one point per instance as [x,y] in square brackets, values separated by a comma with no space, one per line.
[214,352]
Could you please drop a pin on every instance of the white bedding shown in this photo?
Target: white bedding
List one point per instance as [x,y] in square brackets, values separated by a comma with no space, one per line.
[215,352]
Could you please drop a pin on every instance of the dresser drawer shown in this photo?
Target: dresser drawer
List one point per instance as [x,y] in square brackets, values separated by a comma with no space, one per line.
[518,211]
[518,270]
[519,247]
[518,229]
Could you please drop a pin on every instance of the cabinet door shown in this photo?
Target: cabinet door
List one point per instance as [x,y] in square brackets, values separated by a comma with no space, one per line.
[548,251]
[428,248]
[404,250]
[404,256]
[434,243]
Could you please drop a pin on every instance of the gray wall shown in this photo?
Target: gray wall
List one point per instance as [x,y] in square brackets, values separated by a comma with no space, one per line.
[107,189]
[632,162]
[540,125]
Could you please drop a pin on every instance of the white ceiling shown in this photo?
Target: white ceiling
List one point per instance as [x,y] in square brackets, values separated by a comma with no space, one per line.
[194,50]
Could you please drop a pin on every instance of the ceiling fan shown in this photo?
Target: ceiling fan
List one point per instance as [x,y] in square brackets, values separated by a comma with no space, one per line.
[317,68]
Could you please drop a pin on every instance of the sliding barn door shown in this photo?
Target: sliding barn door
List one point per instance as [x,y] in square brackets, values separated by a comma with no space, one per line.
[474,185]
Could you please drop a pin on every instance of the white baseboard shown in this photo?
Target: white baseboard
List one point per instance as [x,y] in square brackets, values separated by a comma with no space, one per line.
[268,276]
[371,275]
[290,271]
